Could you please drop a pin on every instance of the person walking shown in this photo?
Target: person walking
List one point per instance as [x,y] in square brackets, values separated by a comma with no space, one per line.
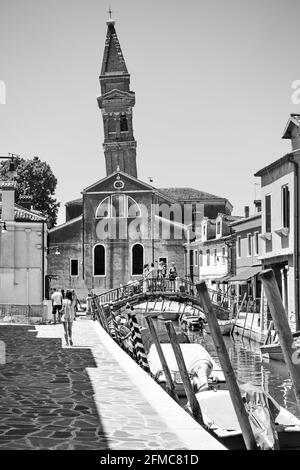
[75,303]
[56,299]
[68,314]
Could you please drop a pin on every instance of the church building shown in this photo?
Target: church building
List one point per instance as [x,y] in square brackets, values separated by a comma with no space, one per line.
[121,223]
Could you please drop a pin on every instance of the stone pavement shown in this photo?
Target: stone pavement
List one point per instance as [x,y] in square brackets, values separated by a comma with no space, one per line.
[89,396]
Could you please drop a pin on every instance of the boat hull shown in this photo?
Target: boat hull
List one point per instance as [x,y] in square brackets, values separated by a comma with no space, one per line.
[220,417]
[273,352]
[225,327]
[168,316]
[287,441]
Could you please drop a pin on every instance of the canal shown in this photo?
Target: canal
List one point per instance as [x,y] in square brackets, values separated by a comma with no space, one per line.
[246,361]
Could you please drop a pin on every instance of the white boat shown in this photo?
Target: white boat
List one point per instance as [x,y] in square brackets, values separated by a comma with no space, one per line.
[201,367]
[274,352]
[220,418]
[225,327]
[193,322]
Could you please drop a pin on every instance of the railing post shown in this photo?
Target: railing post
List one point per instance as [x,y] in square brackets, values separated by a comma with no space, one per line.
[282,326]
[169,382]
[193,402]
[228,371]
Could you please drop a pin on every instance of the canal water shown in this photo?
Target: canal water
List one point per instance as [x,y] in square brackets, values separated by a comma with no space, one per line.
[246,361]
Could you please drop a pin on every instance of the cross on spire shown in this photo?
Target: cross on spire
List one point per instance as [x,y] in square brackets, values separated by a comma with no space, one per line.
[109,12]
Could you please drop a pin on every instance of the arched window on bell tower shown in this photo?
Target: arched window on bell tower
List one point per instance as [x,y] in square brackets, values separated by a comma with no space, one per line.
[111,127]
[123,123]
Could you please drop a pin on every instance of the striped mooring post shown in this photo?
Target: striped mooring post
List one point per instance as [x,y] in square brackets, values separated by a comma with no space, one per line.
[137,342]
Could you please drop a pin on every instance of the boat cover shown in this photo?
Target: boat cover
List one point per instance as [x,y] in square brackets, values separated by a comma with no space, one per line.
[197,360]
[262,409]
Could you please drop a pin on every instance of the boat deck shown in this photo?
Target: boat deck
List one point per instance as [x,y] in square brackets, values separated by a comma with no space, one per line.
[90,396]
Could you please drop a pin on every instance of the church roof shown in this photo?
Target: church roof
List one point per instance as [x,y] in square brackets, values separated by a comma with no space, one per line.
[187,194]
[113,61]
[77,202]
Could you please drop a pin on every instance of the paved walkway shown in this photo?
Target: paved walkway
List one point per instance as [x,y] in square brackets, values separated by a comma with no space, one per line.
[90,396]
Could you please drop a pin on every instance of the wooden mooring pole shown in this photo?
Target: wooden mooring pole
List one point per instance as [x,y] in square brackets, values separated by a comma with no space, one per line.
[169,382]
[193,402]
[223,355]
[282,326]
[237,314]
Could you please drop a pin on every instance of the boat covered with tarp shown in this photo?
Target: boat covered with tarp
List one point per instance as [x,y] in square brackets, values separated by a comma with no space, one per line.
[202,368]
[273,426]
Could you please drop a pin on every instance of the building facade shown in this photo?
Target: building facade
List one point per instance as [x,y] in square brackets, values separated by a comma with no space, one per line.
[23,245]
[248,256]
[280,191]
[211,256]
[121,223]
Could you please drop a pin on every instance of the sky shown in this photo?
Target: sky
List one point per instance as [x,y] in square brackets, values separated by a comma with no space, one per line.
[212,82]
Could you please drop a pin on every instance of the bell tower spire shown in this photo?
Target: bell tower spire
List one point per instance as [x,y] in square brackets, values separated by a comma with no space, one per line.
[116,103]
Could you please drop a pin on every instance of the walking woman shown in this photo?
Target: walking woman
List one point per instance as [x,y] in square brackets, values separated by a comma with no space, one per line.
[68,314]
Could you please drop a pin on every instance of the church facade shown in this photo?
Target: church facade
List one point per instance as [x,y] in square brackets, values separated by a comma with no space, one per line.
[121,223]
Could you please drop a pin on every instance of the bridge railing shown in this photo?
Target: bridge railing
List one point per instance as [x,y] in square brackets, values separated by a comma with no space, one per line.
[162,284]
[121,292]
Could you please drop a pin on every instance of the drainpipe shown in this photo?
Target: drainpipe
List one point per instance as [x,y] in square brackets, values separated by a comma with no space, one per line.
[296,234]
[152,228]
[43,261]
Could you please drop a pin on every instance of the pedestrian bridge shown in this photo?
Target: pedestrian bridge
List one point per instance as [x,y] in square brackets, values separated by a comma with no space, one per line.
[158,293]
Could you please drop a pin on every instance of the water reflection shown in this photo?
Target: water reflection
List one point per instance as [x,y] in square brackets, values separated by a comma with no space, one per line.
[247,364]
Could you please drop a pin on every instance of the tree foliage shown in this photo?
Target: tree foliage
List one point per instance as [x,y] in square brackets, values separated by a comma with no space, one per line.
[35,178]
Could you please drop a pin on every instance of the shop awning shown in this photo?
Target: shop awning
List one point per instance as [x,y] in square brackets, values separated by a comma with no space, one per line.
[222,279]
[246,274]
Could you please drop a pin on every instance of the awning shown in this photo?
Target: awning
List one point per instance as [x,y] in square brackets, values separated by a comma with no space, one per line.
[246,274]
[221,279]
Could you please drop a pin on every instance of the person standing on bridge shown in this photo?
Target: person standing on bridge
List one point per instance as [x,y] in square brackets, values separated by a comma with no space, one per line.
[172,276]
[68,314]
[145,275]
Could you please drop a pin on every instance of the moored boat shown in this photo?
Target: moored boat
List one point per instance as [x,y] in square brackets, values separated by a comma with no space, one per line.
[225,327]
[202,369]
[274,352]
[220,418]
[168,315]
[191,321]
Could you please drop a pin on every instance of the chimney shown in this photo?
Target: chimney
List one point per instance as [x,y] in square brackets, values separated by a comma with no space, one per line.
[8,200]
[246,209]
[257,204]
[292,131]
[295,137]
[25,201]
